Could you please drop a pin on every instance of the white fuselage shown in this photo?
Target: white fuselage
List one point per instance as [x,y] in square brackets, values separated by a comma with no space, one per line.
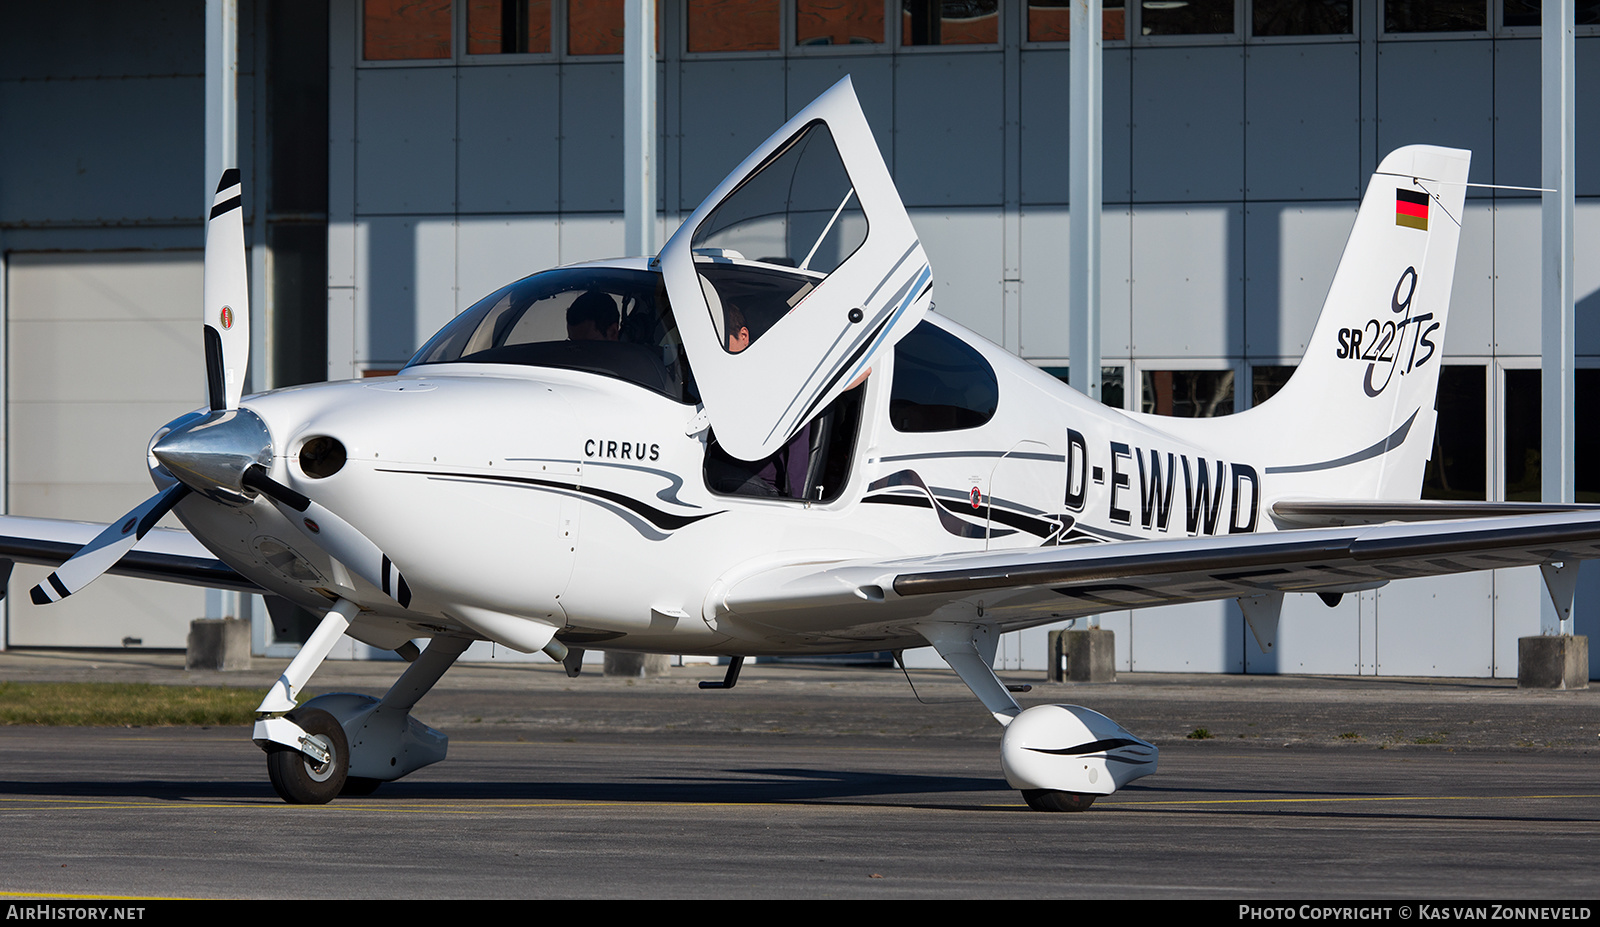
[577,500]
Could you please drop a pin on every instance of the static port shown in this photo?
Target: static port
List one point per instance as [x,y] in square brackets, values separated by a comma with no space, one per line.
[321,457]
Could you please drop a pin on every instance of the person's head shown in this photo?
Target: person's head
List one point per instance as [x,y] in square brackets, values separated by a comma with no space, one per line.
[738,332]
[593,317]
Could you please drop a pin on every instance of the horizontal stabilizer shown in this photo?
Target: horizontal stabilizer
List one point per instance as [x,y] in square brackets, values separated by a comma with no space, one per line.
[1339,513]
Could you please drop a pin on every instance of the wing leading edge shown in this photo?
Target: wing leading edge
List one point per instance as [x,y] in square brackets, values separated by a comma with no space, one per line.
[165,554]
[1031,586]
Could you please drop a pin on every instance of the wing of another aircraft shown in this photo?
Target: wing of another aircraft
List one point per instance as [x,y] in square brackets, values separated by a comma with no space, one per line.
[167,554]
[1020,588]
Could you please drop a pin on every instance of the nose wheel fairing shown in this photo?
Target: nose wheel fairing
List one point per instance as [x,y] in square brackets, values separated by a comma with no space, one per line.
[381,742]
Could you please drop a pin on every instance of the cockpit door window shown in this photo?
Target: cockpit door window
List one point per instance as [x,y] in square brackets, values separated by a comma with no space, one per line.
[798,270]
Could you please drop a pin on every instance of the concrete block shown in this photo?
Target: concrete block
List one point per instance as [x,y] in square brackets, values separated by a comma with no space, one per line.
[218,644]
[636,664]
[1557,661]
[1083,656]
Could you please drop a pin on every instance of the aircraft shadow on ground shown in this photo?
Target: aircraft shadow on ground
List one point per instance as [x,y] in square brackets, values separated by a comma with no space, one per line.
[727,786]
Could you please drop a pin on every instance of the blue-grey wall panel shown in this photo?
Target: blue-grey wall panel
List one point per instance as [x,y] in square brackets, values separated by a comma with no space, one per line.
[873,79]
[1188,124]
[406,266]
[1514,276]
[1311,638]
[590,237]
[405,140]
[950,129]
[1586,275]
[591,137]
[1471,329]
[1437,626]
[729,107]
[1516,116]
[965,249]
[1303,121]
[76,40]
[510,154]
[1202,637]
[1587,77]
[1044,126]
[1291,253]
[493,251]
[1046,235]
[102,151]
[1439,93]
[1188,280]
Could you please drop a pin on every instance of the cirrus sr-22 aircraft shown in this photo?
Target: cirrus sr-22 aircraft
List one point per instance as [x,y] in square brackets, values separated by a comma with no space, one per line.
[765,441]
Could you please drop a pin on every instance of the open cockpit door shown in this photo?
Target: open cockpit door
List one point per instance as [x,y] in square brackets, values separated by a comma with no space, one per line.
[793,275]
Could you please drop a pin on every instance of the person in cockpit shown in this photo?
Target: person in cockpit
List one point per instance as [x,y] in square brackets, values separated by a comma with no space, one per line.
[784,473]
[594,316]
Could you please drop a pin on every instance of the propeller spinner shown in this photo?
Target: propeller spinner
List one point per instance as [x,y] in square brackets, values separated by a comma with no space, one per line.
[224,455]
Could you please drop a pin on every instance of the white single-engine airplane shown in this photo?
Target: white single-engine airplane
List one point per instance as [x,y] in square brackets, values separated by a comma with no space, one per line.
[764,441]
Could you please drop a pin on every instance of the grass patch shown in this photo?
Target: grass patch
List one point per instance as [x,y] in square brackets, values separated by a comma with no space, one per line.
[1199,733]
[1349,735]
[106,704]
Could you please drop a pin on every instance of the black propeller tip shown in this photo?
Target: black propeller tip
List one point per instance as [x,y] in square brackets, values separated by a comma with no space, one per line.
[38,596]
[230,178]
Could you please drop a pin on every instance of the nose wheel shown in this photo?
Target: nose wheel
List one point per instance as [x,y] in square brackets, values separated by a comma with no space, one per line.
[301,779]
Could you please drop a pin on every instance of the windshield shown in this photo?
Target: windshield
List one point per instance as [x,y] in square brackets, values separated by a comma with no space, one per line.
[603,320]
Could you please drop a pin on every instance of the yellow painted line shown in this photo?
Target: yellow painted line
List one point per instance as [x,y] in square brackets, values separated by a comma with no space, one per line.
[1367,798]
[73,897]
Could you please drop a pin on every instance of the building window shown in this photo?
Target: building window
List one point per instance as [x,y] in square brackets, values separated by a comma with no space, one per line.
[949,22]
[1401,16]
[508,27]
[1302,17]
[1265,381]
[1187,393]
[838,22]
[733,25]
[594,27]
[1520,430]
[1456,469]
[1051,21]
[1526,12]
[1585,440]
[1186,17]
[1112,392]
[405,30]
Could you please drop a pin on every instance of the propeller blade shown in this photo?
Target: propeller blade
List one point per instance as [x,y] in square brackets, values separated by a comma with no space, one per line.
[227,296]
[102,553]
[333,534]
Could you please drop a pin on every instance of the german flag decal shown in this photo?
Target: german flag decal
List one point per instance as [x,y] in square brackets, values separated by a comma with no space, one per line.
[1411,209]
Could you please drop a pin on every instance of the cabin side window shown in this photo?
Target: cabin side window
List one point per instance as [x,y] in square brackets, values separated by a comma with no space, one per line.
[940,383]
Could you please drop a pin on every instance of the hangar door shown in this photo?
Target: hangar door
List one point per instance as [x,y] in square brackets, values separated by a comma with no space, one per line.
[102,348]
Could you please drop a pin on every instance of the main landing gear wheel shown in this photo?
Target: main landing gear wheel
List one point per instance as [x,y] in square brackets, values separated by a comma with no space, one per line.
[300,780]
[1054,800]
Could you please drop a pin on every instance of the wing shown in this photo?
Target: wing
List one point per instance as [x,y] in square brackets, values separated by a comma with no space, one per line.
[867,601]
[166,554]
[1337,513]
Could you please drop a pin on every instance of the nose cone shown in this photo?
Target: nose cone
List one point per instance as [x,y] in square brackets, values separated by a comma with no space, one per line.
[211,454]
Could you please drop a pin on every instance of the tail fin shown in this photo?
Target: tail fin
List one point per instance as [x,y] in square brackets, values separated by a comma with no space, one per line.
[1356,419]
